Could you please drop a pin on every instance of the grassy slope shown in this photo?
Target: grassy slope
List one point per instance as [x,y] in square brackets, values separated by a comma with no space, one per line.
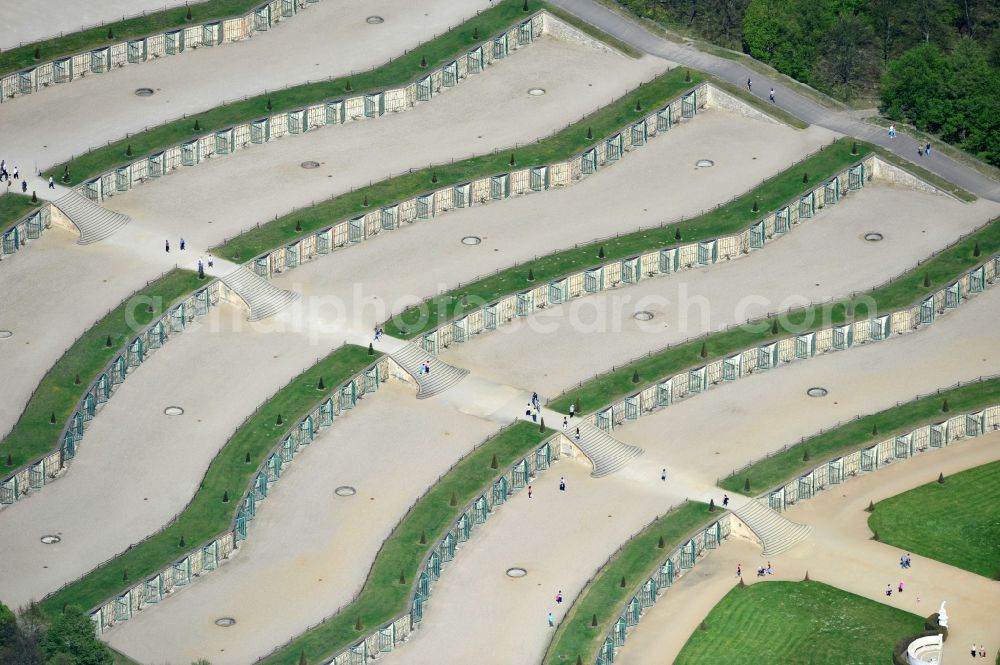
[729,218]
[75,42]
[383,597]
[924,174]
[557,147]
[957,522]
[13,208]
[797,622]
[396,73]
[786,465]
[903,292]
[58,392]
[207,516]
[605,597]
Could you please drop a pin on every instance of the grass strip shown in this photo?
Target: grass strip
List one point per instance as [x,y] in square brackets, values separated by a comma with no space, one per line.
[399,72]
[384,596]
[902,292]
[37,431]
[555,148]
[730,218]
[593,31]
[207,516]
[13,208]
[819,624]
[924,174]
[956,522]
[23,57]
[782,467]
[602,600]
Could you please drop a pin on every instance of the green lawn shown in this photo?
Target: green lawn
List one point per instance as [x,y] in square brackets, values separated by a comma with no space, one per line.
[781,468]
[957,522]
[13,208]
[606,598]
[792,623]
[398,72]
[75,42]
[557,147]
[206,516]
[729,218]
[58,392]
[944,268]
[383,597]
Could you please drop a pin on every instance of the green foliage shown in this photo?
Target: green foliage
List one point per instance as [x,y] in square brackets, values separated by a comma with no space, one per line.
[72,633]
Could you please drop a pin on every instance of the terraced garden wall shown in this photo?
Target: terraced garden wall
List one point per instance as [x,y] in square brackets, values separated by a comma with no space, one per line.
[206,557]
[481,191]
[339,111]
[25,230]
[658,261]
[796,348]
[151,47]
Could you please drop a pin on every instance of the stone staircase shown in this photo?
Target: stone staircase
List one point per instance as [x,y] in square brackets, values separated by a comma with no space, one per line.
[777,532]
[605,452]
[94,222]
[262,297]
[441,377]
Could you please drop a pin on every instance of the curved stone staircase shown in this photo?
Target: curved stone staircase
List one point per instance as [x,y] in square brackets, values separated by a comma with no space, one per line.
[441,377]
[94,222]
[605,452]
[262,297]
[777,532]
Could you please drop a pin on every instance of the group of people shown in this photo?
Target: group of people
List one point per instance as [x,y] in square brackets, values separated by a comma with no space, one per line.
[13,176]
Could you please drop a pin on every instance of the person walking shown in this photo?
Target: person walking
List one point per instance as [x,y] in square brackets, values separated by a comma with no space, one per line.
[168,247]
[52,183]
[739,570]
[927,149]
[534,414]
[565,423]
[725,500]
[577,435]
[182,244]
[749,85]
[771,95]
[211,262]
[572,410]
[562,484]
[559,597]
[892,132]
[16,174]
[663,474]
[888,590]
[24,186]
[530,491]
[900,587]
[552,620]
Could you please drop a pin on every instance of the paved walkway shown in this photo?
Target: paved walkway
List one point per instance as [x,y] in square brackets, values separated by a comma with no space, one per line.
[798,105]
[841,554]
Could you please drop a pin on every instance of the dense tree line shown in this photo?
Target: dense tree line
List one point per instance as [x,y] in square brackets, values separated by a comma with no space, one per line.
[932,63]
[28,638]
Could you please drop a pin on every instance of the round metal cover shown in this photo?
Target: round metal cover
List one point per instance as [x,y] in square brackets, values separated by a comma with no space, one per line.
[704,163]
[51,540]
[309,165]
[471,240]
[225,622]
[144,92]
[374,20]
[817,391]
[536,92]
[643,316]
[173,411]
[345,490]
[4,334]
[516,572]
[873,236]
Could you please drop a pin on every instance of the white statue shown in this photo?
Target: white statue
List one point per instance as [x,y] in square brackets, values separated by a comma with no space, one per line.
[943,615]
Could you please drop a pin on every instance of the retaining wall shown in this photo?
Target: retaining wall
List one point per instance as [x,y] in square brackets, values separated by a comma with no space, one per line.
[28,228]
[342,110]
[136,51]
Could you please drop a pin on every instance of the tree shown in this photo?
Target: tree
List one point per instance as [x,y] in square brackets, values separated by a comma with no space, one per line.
[847,63]
[72,633]
[8,625]
[912,88]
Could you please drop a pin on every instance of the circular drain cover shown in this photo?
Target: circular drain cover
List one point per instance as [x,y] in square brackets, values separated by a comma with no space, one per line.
[873,236]
[4,334]
[536,92]
[345,490]
[643,316]
[173,411]
[374,20]
[704,163]
[471,240]
[516,572]
[309,165]
[51,540]
[144,92]
[225,622]
[817,392]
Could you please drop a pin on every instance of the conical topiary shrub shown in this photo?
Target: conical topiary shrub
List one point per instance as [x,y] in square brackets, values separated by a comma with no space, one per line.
[246,460]
[805,455]
[347,86]
[660,544]
[541,425]
[677,233]
[593,620]
[746,485]
[181,543]
[128,150]
[52,421]
[975,250]
[600,252]
[475,33]
[358,626]
[321,385]
[711,505]
[107,342]
[423,537]
[493,463]
[704,350]
[944,407]
[298,225]
[774,327]
[927,280]
[197,125]
[279,420]
[453,501]
[940,479]
[187,16]
[875,429]
[871,507]
[302,658]
[402,577]
[805,177]
[622,583]
[225,497]
[635,376]
[756,207]
[512,162]
[531,275]
[38,53]
[423,61]
[590,133]
[371,349]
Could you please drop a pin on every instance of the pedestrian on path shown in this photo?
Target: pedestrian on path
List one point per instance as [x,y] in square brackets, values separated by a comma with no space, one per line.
[927,150]
[663,474]
[24,186]
[534,399]
[725,500]
[572,410]
[900,587]
[559,597]
[16,174]
[182,244]
[771,95]
[888,590]
[739,570]
[577,435]
[530,491]
[211,262]
[749,85]
[168,247]
[982,651]
[565,423]
[892,132]
[52,183]
[920,151]
[562,484]
[974,650]
[427,367]
[534,414]
[552,620]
